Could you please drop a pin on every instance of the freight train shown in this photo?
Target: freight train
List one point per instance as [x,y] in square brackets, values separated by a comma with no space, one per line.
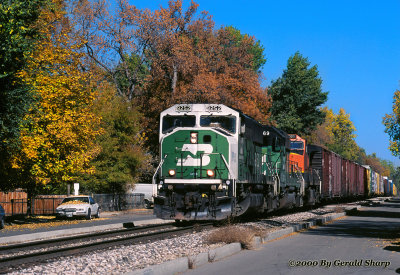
[216,162]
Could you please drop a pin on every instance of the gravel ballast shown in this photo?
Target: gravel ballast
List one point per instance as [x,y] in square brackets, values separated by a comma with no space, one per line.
[120,260]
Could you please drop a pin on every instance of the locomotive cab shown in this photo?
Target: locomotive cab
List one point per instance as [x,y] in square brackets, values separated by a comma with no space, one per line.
[195,179]
[298,153]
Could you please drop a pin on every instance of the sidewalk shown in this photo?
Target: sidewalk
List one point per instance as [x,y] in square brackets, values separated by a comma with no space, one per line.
[83,228]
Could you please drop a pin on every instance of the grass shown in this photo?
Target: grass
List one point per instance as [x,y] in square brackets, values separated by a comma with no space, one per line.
[36,222]
[235,234]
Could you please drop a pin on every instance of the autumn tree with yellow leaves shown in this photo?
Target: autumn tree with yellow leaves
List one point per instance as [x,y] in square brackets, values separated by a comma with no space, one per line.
[337,133]
[58,133]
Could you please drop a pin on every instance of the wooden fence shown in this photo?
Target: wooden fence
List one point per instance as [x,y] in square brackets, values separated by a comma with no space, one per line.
[16,203]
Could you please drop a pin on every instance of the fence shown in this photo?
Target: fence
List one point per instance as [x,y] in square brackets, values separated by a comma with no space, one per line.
[115,202]
[46,205]
[16,203]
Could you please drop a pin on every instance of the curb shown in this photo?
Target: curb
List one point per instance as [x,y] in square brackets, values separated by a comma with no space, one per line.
[191,262]
[170,267]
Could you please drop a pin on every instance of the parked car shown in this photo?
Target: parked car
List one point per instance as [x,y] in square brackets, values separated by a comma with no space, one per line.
[2,217]
[78,206]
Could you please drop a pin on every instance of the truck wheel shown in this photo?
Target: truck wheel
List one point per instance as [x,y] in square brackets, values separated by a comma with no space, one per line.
[89,214]
[97,216]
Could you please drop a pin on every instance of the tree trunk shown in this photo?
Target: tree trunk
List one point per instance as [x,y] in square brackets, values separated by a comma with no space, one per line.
[174,78]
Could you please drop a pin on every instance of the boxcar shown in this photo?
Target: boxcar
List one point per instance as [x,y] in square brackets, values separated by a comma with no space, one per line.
[329,166]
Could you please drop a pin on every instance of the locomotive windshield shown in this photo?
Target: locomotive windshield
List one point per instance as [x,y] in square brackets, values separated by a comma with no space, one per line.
[297,146]
[227,123]
[171,122]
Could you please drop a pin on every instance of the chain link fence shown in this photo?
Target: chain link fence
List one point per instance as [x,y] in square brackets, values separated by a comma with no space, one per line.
[116,202]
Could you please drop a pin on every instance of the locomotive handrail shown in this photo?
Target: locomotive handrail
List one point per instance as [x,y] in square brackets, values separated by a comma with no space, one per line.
[274,174]
[278,182]
[154,176]
[302,185]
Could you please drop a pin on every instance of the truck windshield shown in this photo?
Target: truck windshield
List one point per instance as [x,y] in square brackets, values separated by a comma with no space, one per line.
[171,122]
[225,122]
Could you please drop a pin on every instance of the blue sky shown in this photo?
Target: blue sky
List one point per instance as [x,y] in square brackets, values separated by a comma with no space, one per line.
[355,44]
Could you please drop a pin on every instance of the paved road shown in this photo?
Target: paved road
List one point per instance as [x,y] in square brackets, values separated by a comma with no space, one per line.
[352,245]
[109,218]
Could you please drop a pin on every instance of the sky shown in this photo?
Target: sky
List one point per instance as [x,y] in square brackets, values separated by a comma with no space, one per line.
[355,44]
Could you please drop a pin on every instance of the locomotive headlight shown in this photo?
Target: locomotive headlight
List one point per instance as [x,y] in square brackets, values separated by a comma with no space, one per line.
[193,137]
[210,173]
[171,172]
[170,187]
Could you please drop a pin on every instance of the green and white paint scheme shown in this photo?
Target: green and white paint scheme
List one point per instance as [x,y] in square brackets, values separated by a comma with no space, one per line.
[216,162]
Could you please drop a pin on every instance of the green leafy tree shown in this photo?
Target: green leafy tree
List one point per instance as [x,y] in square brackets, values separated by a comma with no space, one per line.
[296,97]
[122,157]
[18,36]
[236,39]
[392,125]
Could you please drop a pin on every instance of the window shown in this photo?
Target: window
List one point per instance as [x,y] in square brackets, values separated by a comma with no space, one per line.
[227,123]
[296,145]
[207,139]
[76,199]
[169,123]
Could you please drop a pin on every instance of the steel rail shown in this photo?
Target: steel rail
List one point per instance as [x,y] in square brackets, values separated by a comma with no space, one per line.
[88,236]
[8,263]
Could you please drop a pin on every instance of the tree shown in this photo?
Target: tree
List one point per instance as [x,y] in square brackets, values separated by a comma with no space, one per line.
[320,135]
[337,133]
[342,135]
[17,39]
[187,60]
[122,157]
[377,165]
[58,134]
[392,125]
[296,97]
[255,49]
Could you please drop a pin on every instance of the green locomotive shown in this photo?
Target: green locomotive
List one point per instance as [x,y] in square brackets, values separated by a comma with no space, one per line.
[217,162]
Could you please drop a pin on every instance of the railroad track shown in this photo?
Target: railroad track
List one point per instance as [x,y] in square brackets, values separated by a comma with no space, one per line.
[31,253]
